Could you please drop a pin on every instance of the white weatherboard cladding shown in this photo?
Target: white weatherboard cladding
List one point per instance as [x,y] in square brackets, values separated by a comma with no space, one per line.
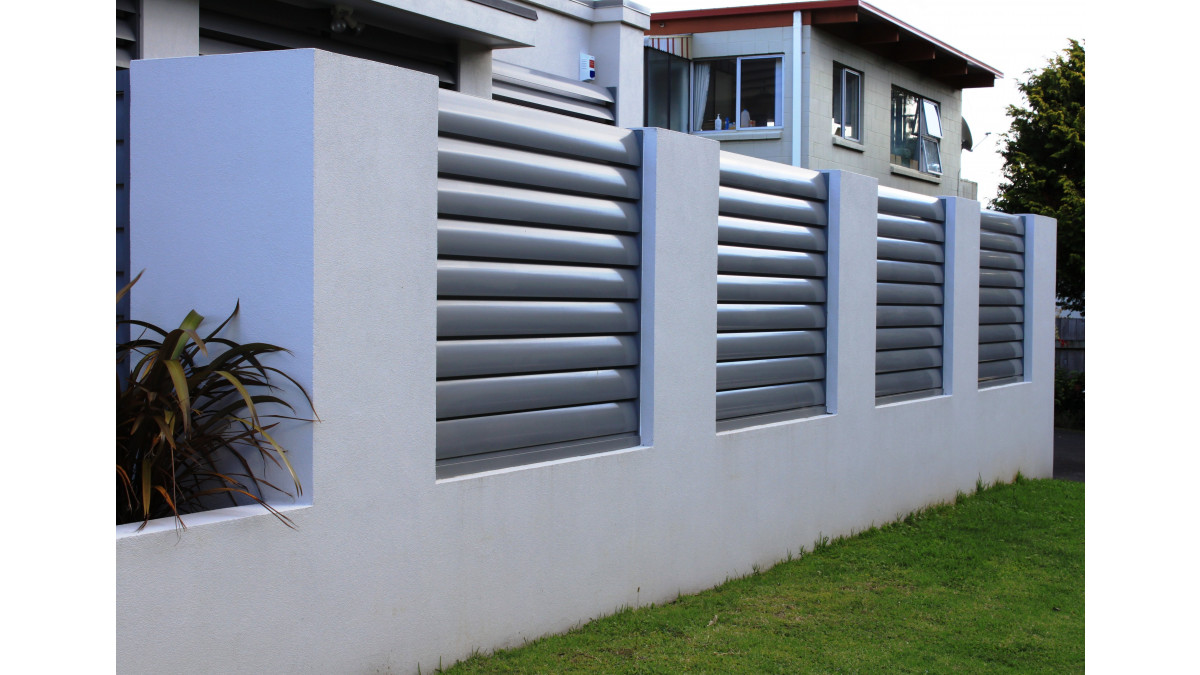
[391,568]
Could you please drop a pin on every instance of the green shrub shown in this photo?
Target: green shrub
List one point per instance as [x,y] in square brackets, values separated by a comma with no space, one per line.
[1068,399]
[188,427]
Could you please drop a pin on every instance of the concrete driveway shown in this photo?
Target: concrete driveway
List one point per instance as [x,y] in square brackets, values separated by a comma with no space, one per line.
[1068,455]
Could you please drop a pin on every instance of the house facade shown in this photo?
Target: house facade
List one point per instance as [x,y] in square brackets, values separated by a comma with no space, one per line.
[823,85]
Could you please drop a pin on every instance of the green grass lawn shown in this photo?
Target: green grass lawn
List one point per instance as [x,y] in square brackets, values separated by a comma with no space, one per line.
[993,583]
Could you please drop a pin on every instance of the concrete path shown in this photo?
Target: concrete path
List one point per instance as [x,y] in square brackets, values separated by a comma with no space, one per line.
[1068,455]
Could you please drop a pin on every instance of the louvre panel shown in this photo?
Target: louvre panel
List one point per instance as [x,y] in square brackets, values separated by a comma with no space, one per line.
[760,373]
[540,100]
[890,384]
[991,370]
[122,206]
[1001,242]
[490,395]
[760,175]
[737,346]
[744,402]
[474,239]
[1001,261]
[497,122]
[481,278]
[1001,278]
[485,161]
[1001,315]
[467,318]
[910,251]
[472,358]
[910,204]
[1001,333]
[996,351]
[912,229]
[735,202]
[1004,223]
[550,83]
[1001,296]
[491,433]
[765,234]
[545,91]
[502,202]
[907,338]
[909,294]
[731,288]
[907,359]
[537,286]
[890,316]
[735,317]
[771,289]
[909,272]
[743,260]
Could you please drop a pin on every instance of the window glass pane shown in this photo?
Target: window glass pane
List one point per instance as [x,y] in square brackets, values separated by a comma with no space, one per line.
[679,94]
[853,91]
[719,93]
[658,89]
[933,155]
[933,120]
[759,92]
[904,130]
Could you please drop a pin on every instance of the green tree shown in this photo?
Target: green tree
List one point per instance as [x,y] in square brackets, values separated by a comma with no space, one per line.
[1043,161]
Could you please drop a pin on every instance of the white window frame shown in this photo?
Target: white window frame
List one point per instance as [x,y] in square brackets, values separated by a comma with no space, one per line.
[931,135]
[779,69]
[840,124]
[927,133]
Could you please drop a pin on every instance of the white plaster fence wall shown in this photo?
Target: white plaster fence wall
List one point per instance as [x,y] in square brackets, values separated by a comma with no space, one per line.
[304,183]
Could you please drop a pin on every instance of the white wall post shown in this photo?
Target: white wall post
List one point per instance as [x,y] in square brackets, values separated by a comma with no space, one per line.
[960,338]
[850,334]
[1041,261]
[680,181]
[617,44]
[169,28]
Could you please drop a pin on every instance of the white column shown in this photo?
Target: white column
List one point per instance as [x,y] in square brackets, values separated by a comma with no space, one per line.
[850,334]
[474,69]
[680,181]
[169,28]
[960,338]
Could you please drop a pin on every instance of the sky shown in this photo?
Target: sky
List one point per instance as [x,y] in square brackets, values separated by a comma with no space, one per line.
[1000,34]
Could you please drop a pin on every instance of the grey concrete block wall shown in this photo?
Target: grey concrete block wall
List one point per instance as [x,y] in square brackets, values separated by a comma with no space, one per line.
[879,75]
[755,42]
[330,163]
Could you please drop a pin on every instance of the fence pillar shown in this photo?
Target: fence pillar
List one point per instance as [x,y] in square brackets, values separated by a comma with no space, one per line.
[960,337]
[850,333]
[1041,239]
[680,184]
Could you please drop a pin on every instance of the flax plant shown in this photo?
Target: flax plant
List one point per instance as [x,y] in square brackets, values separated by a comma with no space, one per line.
[190,423]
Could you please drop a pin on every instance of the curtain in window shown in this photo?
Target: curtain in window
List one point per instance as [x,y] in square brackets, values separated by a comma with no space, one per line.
[702,73]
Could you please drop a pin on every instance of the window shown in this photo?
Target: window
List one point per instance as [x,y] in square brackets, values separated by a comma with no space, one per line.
[916,132]
[743,92]
[847,103]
